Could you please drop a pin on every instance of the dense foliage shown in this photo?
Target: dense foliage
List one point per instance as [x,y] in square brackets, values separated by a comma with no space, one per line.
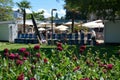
[61,63]
[23,5]
[37,15]
[105,9]
[6,10]
[77,16]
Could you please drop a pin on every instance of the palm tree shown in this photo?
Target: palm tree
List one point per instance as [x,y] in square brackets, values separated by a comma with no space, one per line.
[24,5]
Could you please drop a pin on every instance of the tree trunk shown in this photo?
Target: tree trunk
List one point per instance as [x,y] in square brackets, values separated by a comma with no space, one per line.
[73,17]
[24,20]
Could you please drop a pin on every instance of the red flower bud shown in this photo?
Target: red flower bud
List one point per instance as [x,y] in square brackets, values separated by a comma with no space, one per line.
[32,79]
[38,55]
[24,58]
[59,44]
[59,48]
[26,53]
[20,77]
[6,50]
[19,62]
[6,54]
[17,56]
[83,47]
[22,50]
[45,60]
[81,50]
[36,47]
[12,56]
[109,66]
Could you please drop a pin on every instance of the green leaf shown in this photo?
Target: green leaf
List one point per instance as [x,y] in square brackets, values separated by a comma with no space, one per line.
[12,72]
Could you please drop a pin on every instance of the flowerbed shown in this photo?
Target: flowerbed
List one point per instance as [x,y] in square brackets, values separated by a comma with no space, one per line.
[61,63]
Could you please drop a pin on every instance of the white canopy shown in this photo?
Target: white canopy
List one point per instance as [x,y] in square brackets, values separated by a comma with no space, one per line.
[41,29]
[69,23]
[43,24]
[61,27]
[93,24]
[98,21]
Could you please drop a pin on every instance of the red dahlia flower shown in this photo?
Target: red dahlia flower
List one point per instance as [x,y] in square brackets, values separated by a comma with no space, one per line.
[38,55]
[22,50]
[24,58]
[109,66]
[36,47]
[83,47]
[32,79]
[6,50]
[6,54]
[19,62]
[12,56]
[59,44]
[17,56]
[20,77]
[45,60]
[59,48]
[26,53]
[81,50]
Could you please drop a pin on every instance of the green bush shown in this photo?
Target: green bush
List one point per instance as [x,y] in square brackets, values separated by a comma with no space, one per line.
[64,62]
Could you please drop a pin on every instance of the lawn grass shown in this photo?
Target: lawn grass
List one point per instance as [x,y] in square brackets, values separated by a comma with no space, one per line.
[9,46]
[102,49]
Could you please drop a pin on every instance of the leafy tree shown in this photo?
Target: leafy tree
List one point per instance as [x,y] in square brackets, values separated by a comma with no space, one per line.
[24,5]
[37,15]
[71,11]
[105,9]
[78,15]
[6,10]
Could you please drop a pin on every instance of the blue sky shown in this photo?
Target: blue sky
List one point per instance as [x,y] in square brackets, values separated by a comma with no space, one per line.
[46,5]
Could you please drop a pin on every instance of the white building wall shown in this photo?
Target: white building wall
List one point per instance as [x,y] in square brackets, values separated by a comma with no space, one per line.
[4,32]
[112,32]
[8,31]
[13,32]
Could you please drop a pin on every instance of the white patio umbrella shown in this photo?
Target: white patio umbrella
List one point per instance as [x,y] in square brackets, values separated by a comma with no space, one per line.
[41,29]
[43,24]
[69,23]
[98,21]
[93,25]
[46,25]
[61,27]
